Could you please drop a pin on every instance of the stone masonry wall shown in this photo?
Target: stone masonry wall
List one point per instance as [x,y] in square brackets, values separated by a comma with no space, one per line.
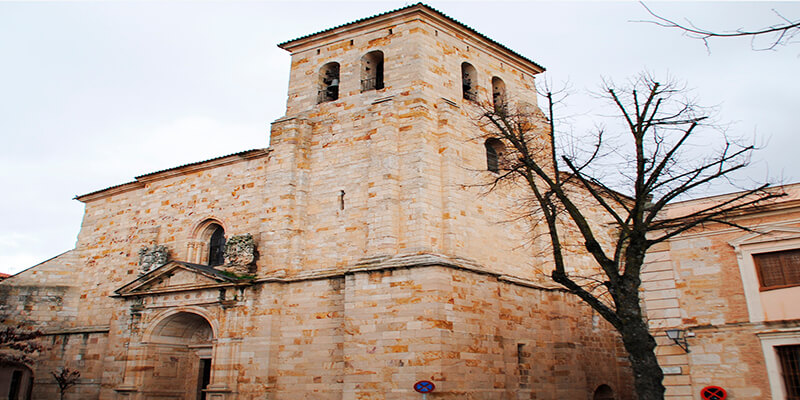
[45,295]
[164,212]
[373,334]
[409,158]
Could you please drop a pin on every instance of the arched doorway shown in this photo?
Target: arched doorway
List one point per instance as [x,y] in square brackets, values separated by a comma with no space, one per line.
[603,392]
[179,353]
[16,381]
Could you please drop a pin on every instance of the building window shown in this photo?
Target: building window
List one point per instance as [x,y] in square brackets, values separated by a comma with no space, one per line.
[499,95]
[789,357]
[328,82]
[778,269]
[372,71]
[524,366]
[468,85]
[216,246]
[494,152]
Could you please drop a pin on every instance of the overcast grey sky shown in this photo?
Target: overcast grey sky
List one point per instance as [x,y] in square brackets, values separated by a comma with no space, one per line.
[95,93]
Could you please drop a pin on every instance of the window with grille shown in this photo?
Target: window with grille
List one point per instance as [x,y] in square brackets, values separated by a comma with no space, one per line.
[789,357]
[778,269]
[372,71]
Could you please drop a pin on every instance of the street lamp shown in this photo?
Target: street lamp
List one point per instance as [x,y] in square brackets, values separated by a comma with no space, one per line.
[679,337]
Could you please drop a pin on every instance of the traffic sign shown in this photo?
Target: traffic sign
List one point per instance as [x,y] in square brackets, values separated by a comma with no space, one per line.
[713,393]
[424,386]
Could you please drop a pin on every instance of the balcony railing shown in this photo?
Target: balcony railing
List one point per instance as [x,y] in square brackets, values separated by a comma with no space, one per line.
[330,93]
[371,84]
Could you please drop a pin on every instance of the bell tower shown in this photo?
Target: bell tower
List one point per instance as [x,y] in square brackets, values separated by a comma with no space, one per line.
[380,146]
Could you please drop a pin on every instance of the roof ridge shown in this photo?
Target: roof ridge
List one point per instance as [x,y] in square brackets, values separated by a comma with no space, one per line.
[138,179]
[421,5]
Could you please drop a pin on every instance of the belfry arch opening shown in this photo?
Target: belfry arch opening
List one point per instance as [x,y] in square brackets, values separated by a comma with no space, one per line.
[328,82]
[498,95]
[494,153]
[469,86]
[179,357]
[372,71]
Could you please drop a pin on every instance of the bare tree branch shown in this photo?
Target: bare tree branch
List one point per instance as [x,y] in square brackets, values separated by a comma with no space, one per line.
[780,34]
[656,125]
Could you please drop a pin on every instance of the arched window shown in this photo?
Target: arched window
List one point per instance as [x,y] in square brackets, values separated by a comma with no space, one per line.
[216,246]
[603,392]
[328,82]
[499,95]
[372,71]
[469,82]
[494,153]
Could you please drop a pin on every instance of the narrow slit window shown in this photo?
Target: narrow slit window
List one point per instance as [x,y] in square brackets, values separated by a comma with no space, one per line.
[328,82]
[469,87]
[372,71]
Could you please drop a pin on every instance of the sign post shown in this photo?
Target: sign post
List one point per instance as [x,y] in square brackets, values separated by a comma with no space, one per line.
[424,387]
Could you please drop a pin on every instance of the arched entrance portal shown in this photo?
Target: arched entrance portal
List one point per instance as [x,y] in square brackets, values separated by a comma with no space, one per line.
[179,353]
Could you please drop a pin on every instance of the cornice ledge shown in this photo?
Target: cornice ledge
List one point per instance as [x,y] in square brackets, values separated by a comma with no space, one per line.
[78,330]
[419,260]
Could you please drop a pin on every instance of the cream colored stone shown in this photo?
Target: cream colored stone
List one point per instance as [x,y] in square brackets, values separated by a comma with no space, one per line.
[380,262]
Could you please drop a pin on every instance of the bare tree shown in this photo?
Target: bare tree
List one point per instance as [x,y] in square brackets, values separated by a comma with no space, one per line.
[649,161]
[18,343]
[775,35]
[65,378]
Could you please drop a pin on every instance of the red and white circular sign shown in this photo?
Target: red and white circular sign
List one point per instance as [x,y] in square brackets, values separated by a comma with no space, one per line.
[713,393]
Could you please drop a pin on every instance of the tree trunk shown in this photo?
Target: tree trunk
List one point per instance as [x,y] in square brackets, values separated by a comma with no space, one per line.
[640,346]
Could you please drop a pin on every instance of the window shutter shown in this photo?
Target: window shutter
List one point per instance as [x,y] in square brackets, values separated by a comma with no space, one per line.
[778,269]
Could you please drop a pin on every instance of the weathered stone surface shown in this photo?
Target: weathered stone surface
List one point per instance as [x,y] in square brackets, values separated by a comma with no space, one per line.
[152,257]
[240,254]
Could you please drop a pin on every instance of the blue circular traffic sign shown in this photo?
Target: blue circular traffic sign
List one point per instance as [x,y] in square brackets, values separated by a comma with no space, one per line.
[424,386]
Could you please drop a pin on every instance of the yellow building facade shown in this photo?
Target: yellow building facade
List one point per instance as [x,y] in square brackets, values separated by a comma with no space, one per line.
[733,295]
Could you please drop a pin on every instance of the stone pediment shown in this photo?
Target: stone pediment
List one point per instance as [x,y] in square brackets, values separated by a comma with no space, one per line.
[766,234]
[176,276]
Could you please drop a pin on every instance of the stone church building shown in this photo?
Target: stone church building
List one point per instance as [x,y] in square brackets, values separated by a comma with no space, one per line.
[356,255]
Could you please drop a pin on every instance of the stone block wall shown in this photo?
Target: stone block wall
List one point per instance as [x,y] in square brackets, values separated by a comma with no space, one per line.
[45,296]
[372,334]
[84,352]
[163,211]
